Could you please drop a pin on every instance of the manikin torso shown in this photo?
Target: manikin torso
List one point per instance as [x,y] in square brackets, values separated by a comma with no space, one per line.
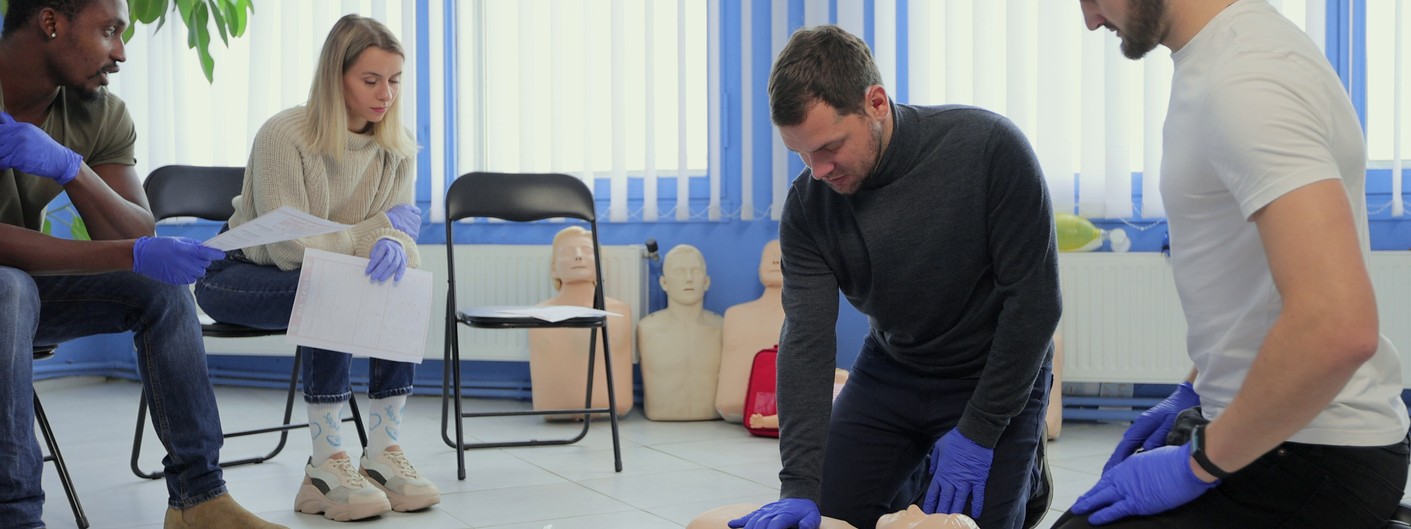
[911,518]
[749,327]
[680,345]
[557,359]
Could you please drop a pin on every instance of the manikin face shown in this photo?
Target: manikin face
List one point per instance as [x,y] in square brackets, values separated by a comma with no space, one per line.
[89,47]
[1138,23]
[769,271]
[573,260]
[842,151]
[683,277]
[370,86]
[914,518]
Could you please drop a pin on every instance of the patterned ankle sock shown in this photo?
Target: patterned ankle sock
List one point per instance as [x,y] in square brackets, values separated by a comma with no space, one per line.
[324,421]
[384,419]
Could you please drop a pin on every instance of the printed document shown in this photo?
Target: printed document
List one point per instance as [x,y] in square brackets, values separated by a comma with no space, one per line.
[279,225]
[340,309]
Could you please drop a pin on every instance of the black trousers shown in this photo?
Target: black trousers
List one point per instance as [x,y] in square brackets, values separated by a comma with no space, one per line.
[883,426]
[1293,486]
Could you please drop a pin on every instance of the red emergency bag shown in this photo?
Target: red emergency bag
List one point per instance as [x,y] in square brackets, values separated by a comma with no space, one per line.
[759,393]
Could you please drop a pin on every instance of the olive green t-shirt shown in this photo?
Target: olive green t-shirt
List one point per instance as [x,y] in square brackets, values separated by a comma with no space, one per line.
[100,130]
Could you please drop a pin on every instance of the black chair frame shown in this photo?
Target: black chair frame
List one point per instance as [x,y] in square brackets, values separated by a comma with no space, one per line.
[40,353]
[520,198]
[206,193]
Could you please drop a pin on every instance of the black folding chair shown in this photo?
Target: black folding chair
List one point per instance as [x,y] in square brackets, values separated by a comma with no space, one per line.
[206,193]
[40,353]
[520,198]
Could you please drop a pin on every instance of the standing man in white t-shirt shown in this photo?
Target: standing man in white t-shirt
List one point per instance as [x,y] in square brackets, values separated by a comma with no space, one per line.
[1301,422]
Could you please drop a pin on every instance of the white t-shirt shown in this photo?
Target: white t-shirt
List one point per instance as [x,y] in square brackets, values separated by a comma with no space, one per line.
[1256,112]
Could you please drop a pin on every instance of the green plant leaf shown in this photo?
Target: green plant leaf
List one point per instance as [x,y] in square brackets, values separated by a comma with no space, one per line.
[146,11]
[48,227]
[78,230]
[220,22]
[196,27]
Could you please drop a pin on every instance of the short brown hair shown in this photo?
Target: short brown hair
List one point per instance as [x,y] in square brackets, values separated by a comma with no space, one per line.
[824,63]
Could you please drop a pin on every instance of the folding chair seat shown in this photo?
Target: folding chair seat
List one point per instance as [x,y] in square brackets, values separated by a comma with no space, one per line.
[40,353]
[520,198]
[206,193]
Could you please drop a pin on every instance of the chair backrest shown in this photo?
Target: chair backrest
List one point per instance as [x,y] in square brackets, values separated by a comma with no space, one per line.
[519,197]
[190,191]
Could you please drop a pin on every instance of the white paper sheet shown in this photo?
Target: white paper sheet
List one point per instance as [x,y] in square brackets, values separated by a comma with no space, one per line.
[281,224]
[340,309]
[549,313]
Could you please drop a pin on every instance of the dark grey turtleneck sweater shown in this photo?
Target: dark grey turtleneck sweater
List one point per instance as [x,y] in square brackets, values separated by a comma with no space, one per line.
[948,248]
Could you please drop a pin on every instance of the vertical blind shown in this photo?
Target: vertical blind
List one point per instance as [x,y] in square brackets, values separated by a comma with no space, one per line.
[182,118]
[1093,116]
[609,90]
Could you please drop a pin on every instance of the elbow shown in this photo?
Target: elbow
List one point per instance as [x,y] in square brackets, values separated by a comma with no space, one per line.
[1350,340]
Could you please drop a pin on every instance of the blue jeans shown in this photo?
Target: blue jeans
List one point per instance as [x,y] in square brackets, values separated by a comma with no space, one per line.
[171,359]
[243,293]
[884,424]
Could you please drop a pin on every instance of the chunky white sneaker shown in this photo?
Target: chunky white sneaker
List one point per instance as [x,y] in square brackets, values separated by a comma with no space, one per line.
[393,474]
[335,490]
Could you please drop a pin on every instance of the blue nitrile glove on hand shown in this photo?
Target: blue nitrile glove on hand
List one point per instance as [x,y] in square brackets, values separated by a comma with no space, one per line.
[174,260]
[782,514]
[387,259]
[406,218]
[27,148]
[1149,431]
[959,468]
[1153,481]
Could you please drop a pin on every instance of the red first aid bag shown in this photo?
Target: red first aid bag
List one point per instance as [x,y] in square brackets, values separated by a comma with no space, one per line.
[759,393]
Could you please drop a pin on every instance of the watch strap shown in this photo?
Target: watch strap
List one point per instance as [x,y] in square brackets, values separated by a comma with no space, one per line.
[1198,453]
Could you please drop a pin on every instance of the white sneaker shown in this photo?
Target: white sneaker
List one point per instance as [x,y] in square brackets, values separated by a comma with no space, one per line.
[335,490]
[393,474]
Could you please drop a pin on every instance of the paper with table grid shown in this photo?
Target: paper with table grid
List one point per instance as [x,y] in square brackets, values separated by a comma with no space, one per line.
[337,307]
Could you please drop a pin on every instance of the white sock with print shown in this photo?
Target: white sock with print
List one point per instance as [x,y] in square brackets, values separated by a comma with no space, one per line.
[323,428]
[384,423]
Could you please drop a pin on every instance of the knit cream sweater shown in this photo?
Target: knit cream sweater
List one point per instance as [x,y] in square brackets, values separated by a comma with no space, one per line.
[358,190]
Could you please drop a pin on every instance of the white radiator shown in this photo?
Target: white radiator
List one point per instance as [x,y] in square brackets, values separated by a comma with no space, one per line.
[1122,320]
[488,275]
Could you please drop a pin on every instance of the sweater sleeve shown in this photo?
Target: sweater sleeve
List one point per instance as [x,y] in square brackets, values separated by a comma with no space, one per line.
[401,181]
[281,174]
[1023,250]
[807,354]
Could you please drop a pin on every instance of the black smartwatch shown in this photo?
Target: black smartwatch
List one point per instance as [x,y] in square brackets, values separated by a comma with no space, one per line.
[1198,453]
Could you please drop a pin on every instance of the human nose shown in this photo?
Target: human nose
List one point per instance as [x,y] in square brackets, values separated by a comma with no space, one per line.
[1091,17]
[820,166]
[119,53]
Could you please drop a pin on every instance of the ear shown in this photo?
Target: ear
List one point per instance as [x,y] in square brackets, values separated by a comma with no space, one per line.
[877,103]
[705,285]
[662,282]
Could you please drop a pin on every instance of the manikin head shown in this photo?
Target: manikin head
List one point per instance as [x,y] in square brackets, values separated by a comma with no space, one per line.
[769,271]
[683,276]
[573,258]
[1140,24]
[826,98]
[80,40]
[913,518]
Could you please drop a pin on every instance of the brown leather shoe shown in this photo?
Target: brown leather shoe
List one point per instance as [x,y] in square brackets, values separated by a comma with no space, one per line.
[219,513]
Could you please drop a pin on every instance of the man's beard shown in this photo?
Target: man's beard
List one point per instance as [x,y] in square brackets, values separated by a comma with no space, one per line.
[1145,27]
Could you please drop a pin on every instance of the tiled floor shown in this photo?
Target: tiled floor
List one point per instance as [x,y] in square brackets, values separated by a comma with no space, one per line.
[672,471]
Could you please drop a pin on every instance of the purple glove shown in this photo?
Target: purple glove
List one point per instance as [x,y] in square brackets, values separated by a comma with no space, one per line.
[1149,431]
[959,468]
[174,260]
[27,148]
[406,218]
[782,514]
[1154,481]
[387,259]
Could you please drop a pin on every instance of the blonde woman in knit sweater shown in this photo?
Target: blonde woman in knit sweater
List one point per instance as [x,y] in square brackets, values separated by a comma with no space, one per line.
[345,157]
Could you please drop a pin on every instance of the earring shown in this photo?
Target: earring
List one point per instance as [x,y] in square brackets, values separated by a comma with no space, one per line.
[54,35]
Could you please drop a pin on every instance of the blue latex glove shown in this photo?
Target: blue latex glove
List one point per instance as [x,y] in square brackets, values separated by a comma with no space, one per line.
[959,468]
[782,514]
[406,218]
[1147,483]
[1149,431]
[388,259]
[174,260]
[27,148]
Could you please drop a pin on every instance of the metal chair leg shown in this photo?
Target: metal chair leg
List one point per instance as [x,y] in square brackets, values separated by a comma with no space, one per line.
[79,517]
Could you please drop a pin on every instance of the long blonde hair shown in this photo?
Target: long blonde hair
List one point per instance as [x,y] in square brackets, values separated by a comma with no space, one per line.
[327,114]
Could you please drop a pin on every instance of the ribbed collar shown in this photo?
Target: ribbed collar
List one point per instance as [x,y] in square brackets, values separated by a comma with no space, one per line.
[901,150]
